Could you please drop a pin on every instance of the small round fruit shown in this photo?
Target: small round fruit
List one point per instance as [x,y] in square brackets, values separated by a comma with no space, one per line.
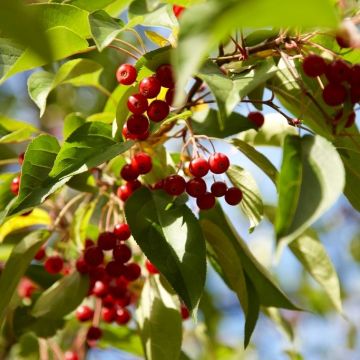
[71,355]
[185,314]
[89,243]
[165,76]
[127,134]
[124,192]
[151,268]
[137,125]
[122,316]
[150,87]
[355,94]
[314,65]
[54,264]
[93,256]
[125,300]
[218,163]
[81,266]
[338,71]
[21,158]
[107,240]
[128,173]
[174,185]
[15,185]
[355,75]
[94,333]
[84,313]
[119,290]
[257,118]
[334,94]
[122,231]
[98,273]
[196,187]
[40,254]
[108,314]
[137,104]
[100,289]
[206,201]
[158,110]
[178,10]
[122,253]
[218,188]
[199,167]
[126,74]
[233,196]
[132,271]
[342,41]
[142,163]
[114,268]
[169,97]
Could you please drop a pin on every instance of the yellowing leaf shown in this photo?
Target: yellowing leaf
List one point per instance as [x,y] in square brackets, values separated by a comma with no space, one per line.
[156,38]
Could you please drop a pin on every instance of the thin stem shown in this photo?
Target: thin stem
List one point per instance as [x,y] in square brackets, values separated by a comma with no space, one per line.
[139,39]
[56,349]
[124,51]
[129,45]
[97,313]
[106,92]
[43,349]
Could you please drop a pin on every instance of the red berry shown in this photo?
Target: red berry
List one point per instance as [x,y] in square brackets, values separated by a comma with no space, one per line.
[334,94]
[184,312]
[93,256]
[132,271]
[124,192]
[137,125]
[98,273]
[314,65]
[108,301]
[178,10]
[123,316]
[165,76]
[199,167]
[94,333]
[21,158]
[169,97]
[26,288]
[122,253]
[124,301]
[119,290]
[126,74]
[218,188]
[15,185]
[81,266]
[338,71]
[350,120]
[355,94]
[71,355]
[144,136]
[257,118]
[40,254]
[107,240]
[89,243]
[196,187]
[158,110]
[114,268]
[342,42]
[355,75]
[142,163]
[233,196]
[54,264]
[122,231]
[137,104]
[206,201]
[158,185]
[174,185]
[100,289]
[108,314]
[218,163]
[150,87]
[126,133]
[84,313]
[151,268]
[128,173]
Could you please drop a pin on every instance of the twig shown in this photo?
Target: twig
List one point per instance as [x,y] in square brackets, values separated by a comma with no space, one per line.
[124,51]
[129,45]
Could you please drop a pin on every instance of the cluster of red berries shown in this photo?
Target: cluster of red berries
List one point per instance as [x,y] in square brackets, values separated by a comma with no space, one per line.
[218,163]
[343,84]
[137,126]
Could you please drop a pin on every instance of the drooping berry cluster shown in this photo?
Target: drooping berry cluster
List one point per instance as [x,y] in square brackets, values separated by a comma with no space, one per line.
[342,88]
[137,126]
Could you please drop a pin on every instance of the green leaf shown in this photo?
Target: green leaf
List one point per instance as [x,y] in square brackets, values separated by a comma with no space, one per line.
[15,131]
[72,121]
[289,185]
[323,180]
[252,314]
[283,324]
[62,297]
[156,38]
[159,321]
[251,204]
[78,72]
[171,238]
[90,5]
[16,266]
[312,255]
[213,223]
[40,276]
[5,195]
[205,25]
[104,28]
[257,158]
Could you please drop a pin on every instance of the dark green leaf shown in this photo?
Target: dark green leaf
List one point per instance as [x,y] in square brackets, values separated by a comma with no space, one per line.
[71,123]
[253,310]
[16,266]
[170,236]
[90,5]
[40,276]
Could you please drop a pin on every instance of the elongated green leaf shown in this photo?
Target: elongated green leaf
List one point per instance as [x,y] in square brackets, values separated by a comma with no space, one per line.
[213,222]
[289,183]
[257,158]
[253,311]
[171,238]
[16,266]
[282,324]
[40,276]
[160,322]
[104,28]
[14,131]
[71,123]
[62,297]
[251,204]
[90,5]
[5,195]
[78,72]
[323,180]
[312,255]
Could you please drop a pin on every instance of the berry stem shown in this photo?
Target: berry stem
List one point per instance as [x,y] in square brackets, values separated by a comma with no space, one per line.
[97,313]
[124,51]
[129,45]
[58,354]
[139,39]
